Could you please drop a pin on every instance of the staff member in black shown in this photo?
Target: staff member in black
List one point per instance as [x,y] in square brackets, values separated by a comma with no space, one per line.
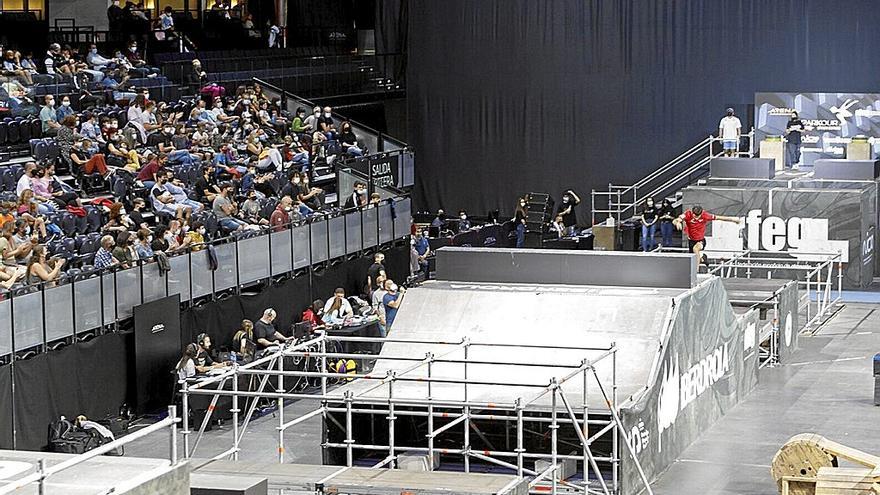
[566,210]
[649,225]
[793,130]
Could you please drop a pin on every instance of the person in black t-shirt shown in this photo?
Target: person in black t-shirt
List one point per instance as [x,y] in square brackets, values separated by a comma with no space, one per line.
[206,186]
[667,215]
[649,225]
[793,129]
[264,331]
[567,210]
[374,271]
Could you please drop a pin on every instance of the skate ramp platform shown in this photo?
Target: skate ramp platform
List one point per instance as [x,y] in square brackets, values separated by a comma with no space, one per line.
[508,317]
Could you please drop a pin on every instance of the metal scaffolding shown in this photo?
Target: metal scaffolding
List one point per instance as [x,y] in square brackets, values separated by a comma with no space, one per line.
[521,410]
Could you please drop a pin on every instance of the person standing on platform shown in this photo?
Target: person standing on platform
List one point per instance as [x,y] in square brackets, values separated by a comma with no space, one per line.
[569,218]
[729,130]
[392,300]
[794,128]
[649,225]
[519,221]
[667,216]
[693,223]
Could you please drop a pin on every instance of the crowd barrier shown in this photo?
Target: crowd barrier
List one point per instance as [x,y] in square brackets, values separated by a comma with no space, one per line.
[34,318]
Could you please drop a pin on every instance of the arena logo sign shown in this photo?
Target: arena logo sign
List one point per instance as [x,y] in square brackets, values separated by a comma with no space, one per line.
[677,391]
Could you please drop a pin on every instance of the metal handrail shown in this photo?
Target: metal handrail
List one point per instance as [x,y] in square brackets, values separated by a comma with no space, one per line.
[619,207]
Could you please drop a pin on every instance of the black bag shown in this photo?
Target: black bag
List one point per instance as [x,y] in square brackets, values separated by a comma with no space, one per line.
[117,425]
[65,438]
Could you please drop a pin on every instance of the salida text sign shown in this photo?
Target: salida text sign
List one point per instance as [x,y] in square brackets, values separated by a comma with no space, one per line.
[383,171]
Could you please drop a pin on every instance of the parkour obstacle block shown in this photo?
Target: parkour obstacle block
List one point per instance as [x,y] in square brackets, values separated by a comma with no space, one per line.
[808,464]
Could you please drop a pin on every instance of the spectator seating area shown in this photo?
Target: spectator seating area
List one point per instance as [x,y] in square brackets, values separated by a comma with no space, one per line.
[143,179]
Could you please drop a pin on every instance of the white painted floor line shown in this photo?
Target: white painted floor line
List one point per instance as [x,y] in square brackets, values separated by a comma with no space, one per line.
[830,361]
[700,461]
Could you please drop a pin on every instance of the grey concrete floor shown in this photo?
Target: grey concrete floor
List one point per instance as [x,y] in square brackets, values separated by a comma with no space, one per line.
[826,390]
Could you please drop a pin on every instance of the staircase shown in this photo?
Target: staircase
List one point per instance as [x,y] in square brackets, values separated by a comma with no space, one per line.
[621,202]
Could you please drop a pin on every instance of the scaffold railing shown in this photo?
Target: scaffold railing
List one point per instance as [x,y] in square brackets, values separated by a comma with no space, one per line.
[381,397]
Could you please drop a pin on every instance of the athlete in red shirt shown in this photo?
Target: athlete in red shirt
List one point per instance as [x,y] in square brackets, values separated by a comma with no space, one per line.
[693,223]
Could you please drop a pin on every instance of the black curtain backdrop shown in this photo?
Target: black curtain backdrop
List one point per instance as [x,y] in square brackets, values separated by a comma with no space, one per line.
[87,378]
[511,96]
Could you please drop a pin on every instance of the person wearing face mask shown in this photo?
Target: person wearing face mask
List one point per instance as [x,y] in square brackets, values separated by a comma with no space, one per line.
[349,140]
[143,246]
[567,209]
[49,118]
[729,130]
[648,219]
[295,153]
[138,65]
[326,124]
[225,209]
[64,110]
[124,252]
[98,62]
[311,122]
[358,197]
[55,63]
[299,125]
[280,218]
[250,210]
[311,196]
[164,201]
[89,162]
[104,256]
[196,236]
[463,222]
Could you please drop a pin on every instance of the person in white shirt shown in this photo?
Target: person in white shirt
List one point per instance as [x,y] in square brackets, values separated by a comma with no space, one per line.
[729,130]
[337,308]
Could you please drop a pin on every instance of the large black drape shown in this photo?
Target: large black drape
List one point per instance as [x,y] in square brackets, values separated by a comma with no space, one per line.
[512,96]
[88,378]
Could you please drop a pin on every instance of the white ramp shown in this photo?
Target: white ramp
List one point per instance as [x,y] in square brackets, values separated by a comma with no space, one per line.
[572,316]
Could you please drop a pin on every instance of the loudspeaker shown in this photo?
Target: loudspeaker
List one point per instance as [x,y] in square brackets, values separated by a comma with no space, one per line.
[533,240]
[540,209]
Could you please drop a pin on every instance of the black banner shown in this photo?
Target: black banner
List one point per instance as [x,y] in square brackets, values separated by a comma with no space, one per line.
[156,343]
[384,171]
[708,363]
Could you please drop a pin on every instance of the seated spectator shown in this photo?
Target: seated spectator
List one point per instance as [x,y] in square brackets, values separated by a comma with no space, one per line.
[265,333]
[49,117]
[12,68]
[89,128]
[136,215]
[205,186]
[243,342]
[358,197]
[104,255]
[225,209]
[313,314]
[149,174]
[124,252]
[83,156]
[175,237]
[248,25]
[227,161]
[64,110]
[558,226]
[160,242]
[250,210]
[10,275]
[299,126]
[138,65]
[29,211]
[313,197]
[280,218]
[295,153]
[24,182]
[196,236]
[40,269]
[180,194]
[311,122]
[375,200]
[326,124]
[392,301]
[349,140]
[117,221]
[186,367]
[56,65]
[337,309]
[164,201]
[67,135]
[143,246]
[463,222]
[16,249]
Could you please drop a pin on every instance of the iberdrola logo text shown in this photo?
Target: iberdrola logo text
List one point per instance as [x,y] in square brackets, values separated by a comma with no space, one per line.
[677,391]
